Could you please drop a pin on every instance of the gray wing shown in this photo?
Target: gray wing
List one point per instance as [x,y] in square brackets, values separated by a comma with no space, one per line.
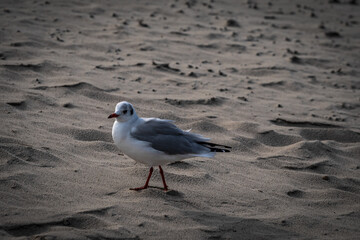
[166,137]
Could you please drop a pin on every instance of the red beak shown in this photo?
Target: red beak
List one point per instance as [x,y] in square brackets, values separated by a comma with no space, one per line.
[113,115]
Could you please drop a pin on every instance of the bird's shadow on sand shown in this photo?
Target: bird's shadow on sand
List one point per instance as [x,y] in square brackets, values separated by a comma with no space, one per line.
[154,191]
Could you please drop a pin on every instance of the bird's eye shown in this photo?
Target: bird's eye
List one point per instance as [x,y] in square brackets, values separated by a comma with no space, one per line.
[124,112]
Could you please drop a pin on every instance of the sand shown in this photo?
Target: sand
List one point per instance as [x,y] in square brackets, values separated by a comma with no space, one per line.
[276,80]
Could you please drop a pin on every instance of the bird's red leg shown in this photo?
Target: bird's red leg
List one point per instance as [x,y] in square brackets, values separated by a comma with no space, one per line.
[147,181]
[163,178]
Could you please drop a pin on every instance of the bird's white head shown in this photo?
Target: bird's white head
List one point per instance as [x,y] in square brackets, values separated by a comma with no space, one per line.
[124,111]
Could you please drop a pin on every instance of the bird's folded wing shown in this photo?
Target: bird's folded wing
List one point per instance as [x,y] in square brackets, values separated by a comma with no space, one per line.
[166,137]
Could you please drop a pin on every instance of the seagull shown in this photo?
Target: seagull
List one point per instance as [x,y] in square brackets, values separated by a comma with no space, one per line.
[155,142]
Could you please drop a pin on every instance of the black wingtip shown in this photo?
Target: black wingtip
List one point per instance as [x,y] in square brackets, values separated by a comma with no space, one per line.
[219,150]
[215,147]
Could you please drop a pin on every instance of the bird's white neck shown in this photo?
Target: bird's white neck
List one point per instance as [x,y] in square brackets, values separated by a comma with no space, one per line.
[123,120]
[122,129]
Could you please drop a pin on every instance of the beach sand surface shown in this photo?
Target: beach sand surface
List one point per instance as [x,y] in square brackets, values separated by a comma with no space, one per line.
[276,80]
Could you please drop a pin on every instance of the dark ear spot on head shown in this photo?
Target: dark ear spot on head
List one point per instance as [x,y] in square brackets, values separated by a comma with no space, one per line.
[131,111]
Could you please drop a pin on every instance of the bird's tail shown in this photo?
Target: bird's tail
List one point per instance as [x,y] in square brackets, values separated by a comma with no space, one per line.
[215,147]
